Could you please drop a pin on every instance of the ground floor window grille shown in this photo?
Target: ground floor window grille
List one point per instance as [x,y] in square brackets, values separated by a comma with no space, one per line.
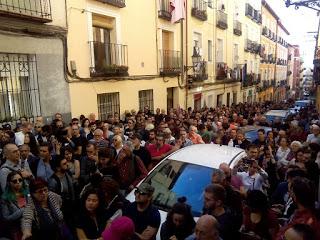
[146,99]
[19,88]
[108,104]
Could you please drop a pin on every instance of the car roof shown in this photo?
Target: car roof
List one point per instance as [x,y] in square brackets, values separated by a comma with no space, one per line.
[277,113]
[254,128]
[209,155]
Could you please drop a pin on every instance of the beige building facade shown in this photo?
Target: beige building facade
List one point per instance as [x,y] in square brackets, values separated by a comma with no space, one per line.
[281,72]
[252,47]
[268,52]
[32,62]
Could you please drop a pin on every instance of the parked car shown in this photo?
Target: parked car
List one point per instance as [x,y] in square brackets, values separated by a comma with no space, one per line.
[302,103]
[281,114]
[187,172]
[251,132]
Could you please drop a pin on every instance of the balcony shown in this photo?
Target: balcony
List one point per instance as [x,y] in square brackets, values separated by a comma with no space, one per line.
[256,48]
[33,10]
[255,15]
[237,28]
[222,20]
[265,31]
[248,81]
[169,63]
[248,47]
[200,72]
[221,71]
[199,10]
[164,11]
[108,59]
[115,3]
[249,11]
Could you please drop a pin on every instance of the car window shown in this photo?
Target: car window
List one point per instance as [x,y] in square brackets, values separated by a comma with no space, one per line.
[251,135]
[174,179]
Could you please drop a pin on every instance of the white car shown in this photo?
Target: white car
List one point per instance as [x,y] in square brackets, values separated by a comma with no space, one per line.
[187,172]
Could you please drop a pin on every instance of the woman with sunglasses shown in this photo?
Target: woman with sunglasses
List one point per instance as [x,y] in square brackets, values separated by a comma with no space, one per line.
[13,202]
[42,217]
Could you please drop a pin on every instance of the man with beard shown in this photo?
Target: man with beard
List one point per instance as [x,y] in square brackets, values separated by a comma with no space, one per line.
[145,216]
[214,201]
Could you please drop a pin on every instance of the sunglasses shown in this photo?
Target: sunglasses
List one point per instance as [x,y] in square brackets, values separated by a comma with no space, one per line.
[15,181]
[137,191]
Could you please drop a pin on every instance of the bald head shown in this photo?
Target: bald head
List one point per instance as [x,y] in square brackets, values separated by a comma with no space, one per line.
[225,168]
[207,228]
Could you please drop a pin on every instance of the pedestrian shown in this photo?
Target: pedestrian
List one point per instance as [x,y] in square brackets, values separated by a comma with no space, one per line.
[179,223]
[121,228]
[13,201]
[206,229]
[145,216]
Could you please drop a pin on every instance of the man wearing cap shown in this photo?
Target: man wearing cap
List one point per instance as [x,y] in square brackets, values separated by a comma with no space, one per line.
[314,137]
[140,151]
[145,216]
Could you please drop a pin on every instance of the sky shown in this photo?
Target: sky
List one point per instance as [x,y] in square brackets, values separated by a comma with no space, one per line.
[299,23]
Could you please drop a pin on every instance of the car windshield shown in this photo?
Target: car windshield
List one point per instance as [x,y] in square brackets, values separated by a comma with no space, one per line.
[174,179]
[251,135]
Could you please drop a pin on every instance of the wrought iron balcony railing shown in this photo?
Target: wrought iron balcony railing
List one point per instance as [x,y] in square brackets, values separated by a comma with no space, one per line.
[249,11]
[170,64]
[33,10]
[200,72]
[164,10]
[116,3]
[237,28]
[108,59]
[222,19]
[199,10]
[248,80]
[248,47]
[265,31]
[221,71]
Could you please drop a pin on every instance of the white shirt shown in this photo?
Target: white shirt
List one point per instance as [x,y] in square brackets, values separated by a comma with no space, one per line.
[254,182]
[19,138]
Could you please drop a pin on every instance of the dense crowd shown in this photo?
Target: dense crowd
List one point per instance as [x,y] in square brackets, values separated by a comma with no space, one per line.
[69,180]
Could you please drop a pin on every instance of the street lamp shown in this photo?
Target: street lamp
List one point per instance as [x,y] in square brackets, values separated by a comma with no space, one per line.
[196,59]
[312,4]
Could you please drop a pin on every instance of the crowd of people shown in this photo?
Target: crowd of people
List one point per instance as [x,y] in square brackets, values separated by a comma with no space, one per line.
[69,180]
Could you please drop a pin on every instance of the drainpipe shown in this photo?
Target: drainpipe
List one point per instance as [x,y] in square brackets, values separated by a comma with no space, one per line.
[276,54]
[186,79]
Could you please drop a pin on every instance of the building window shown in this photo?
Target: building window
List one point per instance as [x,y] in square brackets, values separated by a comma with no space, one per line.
[146,99]
[209,50]
[197,44]
[219,100]
[234,98]
[108,104]
[19,88]
[220,51]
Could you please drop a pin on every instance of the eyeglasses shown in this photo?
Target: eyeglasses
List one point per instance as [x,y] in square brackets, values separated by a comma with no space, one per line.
[137,191]
[15,181]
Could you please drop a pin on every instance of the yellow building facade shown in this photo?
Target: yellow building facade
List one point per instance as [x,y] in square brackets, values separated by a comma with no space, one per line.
[268,52]
[122,59]
[281,73]
[222,50]
[252,26]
